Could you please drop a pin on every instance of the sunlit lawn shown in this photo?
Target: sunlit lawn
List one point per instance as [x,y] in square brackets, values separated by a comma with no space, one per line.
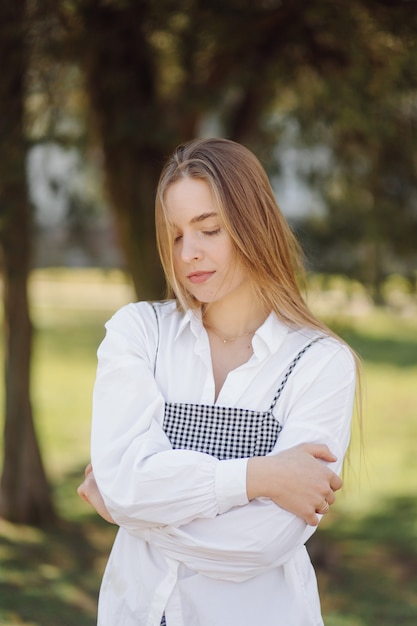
[366,550]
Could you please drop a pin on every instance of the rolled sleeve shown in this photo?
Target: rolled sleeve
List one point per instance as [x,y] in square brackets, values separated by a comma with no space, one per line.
[143,481]
[247,541]
[231,484]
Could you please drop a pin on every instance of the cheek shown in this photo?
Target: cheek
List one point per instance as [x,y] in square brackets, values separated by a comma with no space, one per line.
[222,250]
[236,271]
[227,255]
[175,261]
[177,265]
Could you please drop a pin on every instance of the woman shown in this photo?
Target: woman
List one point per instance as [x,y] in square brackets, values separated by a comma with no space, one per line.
[220,416]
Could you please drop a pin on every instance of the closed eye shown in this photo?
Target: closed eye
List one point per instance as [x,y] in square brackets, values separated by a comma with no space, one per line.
[209,233]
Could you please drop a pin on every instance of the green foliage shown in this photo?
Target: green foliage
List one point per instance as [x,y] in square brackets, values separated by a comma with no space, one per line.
[158,73]
[365,551]
[365,116]
[137,78]
[369,573]
[50,578]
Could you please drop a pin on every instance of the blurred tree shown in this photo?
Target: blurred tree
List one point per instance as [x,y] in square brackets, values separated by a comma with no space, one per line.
[367,117]
[156,70]
[24,492]
[159,72]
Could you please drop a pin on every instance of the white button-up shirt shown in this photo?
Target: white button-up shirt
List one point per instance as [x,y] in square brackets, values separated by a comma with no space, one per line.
[190,544]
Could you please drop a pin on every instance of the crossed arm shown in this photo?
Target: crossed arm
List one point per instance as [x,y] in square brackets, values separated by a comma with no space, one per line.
[295,479]
[276,507]
[248,540]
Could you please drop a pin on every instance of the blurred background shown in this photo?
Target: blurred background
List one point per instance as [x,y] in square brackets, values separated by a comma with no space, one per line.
[94,95]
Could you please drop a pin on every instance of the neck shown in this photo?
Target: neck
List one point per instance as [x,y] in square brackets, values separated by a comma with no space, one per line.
[231,321]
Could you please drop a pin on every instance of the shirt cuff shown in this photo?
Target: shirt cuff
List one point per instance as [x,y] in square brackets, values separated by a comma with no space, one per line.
[230,484]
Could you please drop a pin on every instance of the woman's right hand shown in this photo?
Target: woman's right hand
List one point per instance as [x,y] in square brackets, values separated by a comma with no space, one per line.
[89,492]
[296,479]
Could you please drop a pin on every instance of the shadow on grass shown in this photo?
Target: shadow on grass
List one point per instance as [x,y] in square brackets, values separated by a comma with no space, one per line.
[52,577]
[367,568]
[396,351]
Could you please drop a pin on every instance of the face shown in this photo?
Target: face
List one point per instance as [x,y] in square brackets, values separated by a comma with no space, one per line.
[205,262]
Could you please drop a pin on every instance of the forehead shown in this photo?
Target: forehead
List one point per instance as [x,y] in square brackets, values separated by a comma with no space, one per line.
[188,197]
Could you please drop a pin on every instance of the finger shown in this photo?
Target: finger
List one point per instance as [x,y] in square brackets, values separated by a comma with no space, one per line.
[88,469]
[312,520]
[323,508]
[81,492]
[336,482]
[330,497]
[321,451]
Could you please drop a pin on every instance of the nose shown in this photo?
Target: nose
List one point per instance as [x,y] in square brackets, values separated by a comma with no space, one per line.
[190,249]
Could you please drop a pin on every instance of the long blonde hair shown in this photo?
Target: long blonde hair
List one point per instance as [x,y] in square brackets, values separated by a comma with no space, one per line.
[262,238]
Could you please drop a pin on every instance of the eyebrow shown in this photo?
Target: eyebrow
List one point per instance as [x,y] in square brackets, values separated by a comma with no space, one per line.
[202,217]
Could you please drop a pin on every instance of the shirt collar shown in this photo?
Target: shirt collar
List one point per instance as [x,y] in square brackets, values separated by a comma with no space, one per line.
[268,337]
[192,319]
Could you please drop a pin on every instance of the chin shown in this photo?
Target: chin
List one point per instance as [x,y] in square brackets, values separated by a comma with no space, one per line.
[204,298]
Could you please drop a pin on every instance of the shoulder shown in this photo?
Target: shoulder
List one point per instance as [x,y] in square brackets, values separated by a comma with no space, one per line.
[324,351]
[145,317]
[334,361]
[135,328]
[336,350]
[142,312]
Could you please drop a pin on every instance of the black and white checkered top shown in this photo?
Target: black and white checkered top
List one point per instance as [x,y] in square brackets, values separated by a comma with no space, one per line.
[226,432]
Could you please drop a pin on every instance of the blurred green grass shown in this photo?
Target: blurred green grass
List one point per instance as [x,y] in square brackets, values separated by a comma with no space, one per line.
[365,551]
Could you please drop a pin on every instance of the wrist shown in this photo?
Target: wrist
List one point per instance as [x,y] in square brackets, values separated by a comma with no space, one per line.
[258,477]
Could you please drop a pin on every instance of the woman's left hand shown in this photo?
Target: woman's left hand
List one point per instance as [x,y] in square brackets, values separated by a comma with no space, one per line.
[89,492]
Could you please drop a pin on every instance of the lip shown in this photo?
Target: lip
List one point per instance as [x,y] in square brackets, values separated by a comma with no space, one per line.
[199,277]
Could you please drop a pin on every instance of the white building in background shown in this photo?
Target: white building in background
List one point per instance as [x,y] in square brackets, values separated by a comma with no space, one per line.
[295,197]
[73,225]
[52,173]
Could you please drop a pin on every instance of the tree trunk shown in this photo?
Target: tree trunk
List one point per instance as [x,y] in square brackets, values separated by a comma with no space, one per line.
[131,178]
[120,82]
[24,492]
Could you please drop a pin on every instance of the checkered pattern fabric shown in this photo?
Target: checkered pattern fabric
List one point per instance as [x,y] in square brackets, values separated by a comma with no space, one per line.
[225,432]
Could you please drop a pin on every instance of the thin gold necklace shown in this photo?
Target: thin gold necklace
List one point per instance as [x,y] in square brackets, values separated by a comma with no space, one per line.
[230,339]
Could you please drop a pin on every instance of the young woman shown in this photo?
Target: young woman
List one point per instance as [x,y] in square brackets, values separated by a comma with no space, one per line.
[221,416]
